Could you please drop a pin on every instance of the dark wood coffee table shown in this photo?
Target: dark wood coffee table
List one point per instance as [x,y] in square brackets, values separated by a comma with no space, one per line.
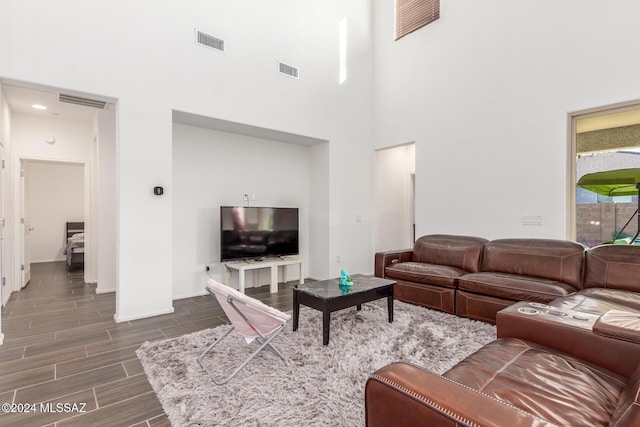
[327,297]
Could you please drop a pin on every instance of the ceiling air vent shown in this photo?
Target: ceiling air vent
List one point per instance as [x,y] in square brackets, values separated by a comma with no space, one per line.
[209,41]
[86,102]
[288,70]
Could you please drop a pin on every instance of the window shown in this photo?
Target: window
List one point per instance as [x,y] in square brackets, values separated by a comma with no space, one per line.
[414,14]
[605,156]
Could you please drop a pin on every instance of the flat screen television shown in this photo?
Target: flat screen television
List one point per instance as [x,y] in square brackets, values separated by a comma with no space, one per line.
[248,232]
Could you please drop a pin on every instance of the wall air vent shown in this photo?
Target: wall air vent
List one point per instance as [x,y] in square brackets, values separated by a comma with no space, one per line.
[209,41]
[288,70]
[86,102]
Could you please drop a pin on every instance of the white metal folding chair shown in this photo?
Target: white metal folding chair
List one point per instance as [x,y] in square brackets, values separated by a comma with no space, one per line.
[252,318]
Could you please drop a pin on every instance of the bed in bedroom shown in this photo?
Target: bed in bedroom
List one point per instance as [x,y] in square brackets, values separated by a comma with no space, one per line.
[74,249]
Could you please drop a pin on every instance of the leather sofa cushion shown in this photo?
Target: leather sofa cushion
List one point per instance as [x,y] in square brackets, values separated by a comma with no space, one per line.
[431,274]
[619,324]
[552,385]
[462,252]
[432,296]
[613,266]
[557,260]
[514,287]
[598,301]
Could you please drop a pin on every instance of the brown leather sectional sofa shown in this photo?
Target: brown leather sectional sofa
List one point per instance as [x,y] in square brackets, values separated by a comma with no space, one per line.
[476,278]
[428,274]
[508,382]
[572,360]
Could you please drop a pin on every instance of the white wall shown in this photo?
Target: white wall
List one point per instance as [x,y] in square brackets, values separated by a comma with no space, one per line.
[485,91]
[55,196]
[73,138]
[394,167]
[213,169]
[150,63]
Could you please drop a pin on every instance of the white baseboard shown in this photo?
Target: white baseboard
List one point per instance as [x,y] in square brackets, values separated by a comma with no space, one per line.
[104,291]
[120,319]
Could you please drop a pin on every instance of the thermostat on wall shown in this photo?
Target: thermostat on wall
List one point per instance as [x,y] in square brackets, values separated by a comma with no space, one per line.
[158,191]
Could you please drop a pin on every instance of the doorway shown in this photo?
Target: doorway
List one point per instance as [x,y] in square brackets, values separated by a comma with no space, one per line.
[50,194]
[54,196]
[55,133]
[395,198]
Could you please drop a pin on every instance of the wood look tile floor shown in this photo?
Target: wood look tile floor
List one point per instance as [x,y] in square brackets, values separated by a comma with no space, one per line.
[62,349]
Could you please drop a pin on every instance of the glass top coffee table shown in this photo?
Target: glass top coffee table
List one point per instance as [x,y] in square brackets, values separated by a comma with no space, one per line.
[327,297]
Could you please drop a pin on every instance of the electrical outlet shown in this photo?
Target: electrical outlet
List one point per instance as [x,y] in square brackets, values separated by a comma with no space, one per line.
[337,258]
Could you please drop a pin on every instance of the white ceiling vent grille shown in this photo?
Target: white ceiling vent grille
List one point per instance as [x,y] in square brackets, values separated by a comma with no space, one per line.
[78,100]
[209,41]
[288,70]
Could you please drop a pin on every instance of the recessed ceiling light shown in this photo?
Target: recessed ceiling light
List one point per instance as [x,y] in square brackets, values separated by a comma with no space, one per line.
[39,107]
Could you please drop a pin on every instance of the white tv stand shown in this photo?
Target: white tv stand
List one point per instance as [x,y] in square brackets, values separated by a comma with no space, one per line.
[272,263]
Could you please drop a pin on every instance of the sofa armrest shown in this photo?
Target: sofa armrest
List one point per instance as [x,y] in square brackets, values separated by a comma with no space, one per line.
[401,394]
[384,259]
[619,324]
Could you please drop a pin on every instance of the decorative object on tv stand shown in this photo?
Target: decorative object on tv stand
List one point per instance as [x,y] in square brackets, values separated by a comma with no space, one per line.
[345,282]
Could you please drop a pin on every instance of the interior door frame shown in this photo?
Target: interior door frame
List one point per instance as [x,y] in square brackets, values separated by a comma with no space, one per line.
[412,207]
[25,228]
[396,164]
[18,228]
[572,152]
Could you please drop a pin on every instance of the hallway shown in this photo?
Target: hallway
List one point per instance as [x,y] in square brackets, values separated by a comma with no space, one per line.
[62,345]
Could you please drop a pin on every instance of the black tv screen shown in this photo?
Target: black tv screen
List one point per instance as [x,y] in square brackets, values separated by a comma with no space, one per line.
[248,232]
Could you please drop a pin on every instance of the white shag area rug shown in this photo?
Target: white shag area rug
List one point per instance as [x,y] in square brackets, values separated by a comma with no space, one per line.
[319,386]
